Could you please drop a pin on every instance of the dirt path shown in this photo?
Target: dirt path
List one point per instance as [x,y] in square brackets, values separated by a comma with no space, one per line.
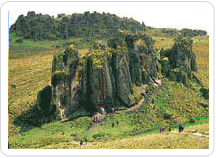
[133,108]
[144,100]
[195,134]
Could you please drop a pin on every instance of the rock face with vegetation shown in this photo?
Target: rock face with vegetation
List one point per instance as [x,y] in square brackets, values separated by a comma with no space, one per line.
[65,79]
[107,75]
[148,59]
[87,25]
[103,77]
[179,62]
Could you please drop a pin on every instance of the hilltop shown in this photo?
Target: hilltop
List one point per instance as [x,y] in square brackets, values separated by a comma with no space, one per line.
[87,25]
[38,26]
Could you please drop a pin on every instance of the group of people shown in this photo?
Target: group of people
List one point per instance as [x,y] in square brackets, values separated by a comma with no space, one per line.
[180,128]
[114,123]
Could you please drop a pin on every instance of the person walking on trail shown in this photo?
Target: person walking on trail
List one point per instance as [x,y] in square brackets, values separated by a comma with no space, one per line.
[113,110]
[113,124]
[161,130]
[81,143]
[169,130]
[181,128]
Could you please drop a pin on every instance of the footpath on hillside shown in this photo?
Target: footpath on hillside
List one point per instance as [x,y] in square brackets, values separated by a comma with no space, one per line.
[172,140]
[143,101]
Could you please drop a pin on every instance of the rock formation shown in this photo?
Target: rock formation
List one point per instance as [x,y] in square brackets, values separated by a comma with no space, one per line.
[103,77]
[179,62]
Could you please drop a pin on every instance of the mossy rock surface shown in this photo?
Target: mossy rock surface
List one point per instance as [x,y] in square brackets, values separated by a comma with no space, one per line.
[182,57]
[100,45]
[58,62]
[178,75]
[164,61]
[146,78]
[64,70]
[165,53]
[99,54]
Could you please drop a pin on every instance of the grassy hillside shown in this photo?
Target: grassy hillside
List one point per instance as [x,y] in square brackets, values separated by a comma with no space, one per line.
[30,47]
[62,135]
[201,48]
[33,71]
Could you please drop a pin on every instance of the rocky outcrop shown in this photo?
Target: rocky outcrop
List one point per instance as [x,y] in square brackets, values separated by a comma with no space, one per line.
[134,61]
[122,82]
[66,80]
[148,59]
[104,77]
[102,93]
[179,62]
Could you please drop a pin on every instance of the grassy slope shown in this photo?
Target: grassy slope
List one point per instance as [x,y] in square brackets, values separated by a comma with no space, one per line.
[201,48]
[149,141]
[31,73]
[28,47]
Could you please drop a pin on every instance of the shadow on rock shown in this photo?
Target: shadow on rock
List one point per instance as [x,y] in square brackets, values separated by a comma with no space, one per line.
[205,93]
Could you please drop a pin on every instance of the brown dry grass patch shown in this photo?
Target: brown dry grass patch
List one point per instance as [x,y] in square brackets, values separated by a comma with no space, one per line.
[30,74]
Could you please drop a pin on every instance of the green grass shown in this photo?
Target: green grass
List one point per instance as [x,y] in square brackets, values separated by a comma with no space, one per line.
[57,132]
[54,132]
[175,99]
[152,141]
[30,47]
[132,124]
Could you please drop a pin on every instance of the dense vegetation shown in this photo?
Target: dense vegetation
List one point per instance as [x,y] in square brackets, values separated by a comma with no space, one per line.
[185,32]
[87,25]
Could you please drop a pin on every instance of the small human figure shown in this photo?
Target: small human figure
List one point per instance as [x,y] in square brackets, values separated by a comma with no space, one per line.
[117,123]
[13,85]
[113,124]
[162,130]
[181,128]
[81,143]
[113,110]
